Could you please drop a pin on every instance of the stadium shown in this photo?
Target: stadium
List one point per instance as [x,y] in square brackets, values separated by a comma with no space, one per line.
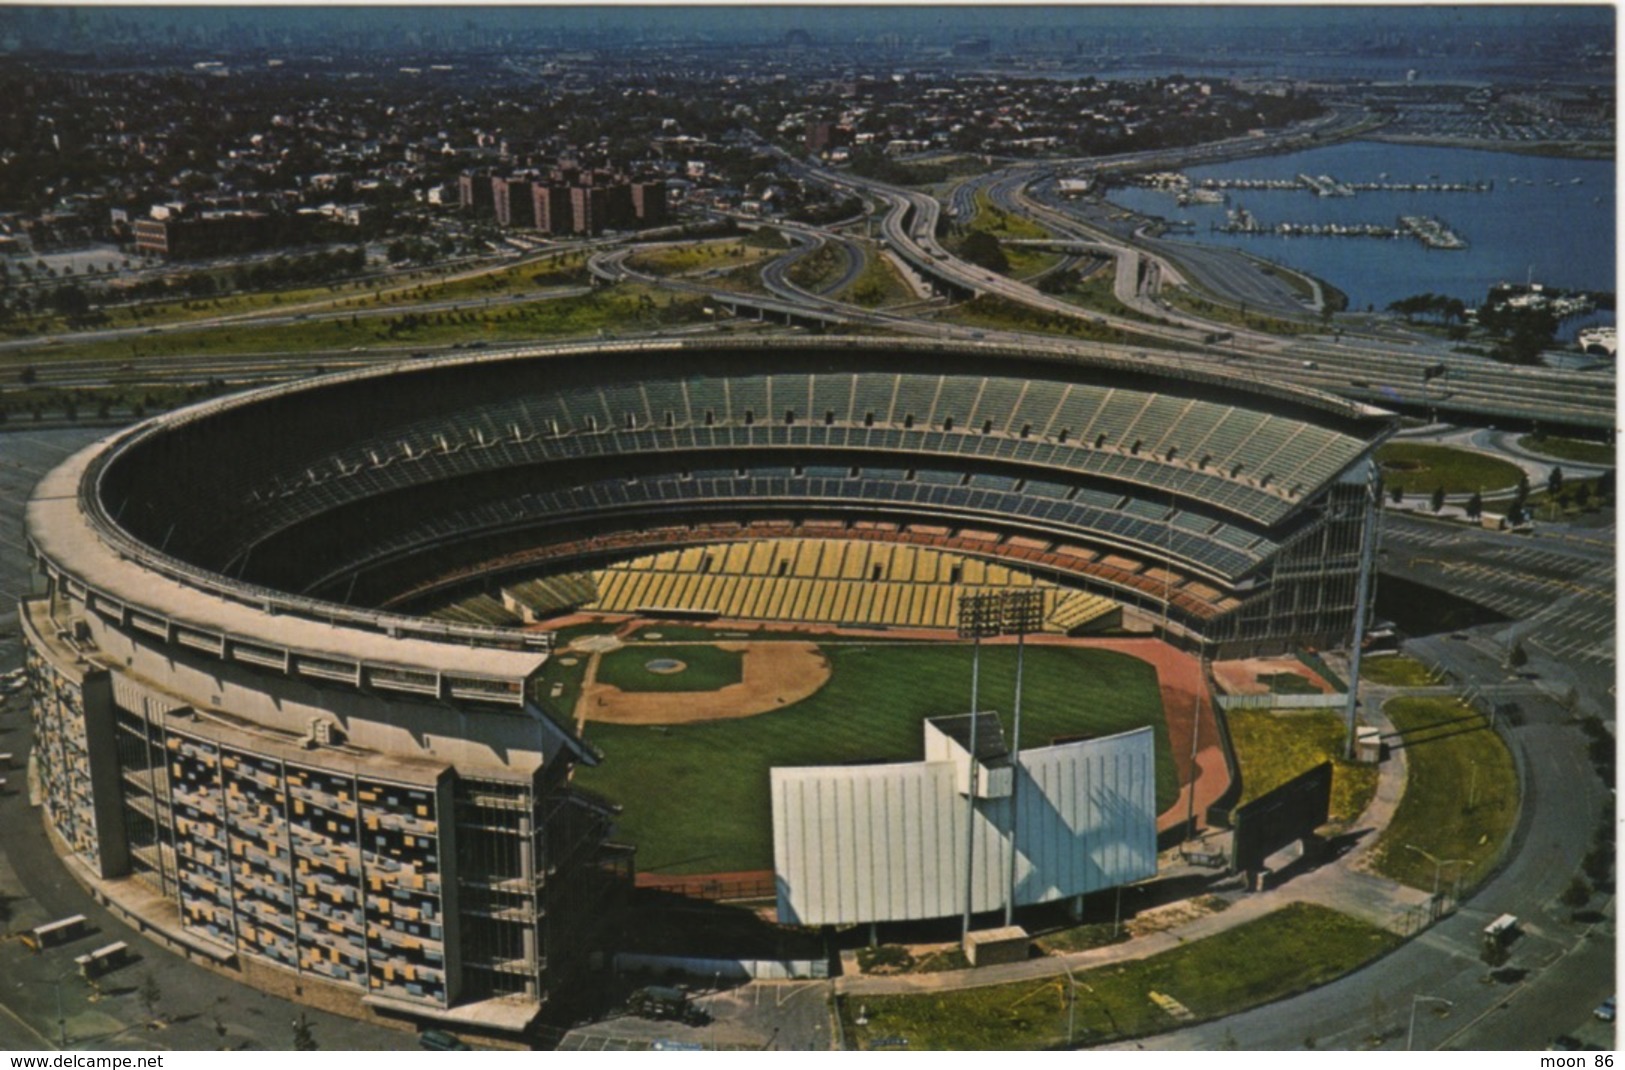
[297,653]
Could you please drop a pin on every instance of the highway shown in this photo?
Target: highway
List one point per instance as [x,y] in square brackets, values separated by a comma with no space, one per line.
[1365,369]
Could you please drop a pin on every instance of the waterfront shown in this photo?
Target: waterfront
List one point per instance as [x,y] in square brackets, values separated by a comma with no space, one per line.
[1537,220]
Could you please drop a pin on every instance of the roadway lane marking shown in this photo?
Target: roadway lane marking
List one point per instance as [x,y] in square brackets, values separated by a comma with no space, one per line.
[46,1046]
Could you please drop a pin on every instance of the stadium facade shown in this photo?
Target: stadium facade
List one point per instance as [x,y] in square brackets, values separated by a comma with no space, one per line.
[236,716]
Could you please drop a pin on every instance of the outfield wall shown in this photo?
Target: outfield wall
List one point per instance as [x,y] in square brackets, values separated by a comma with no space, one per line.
[856,844]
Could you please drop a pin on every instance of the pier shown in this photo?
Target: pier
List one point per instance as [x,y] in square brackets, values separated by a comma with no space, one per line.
[1431,232]
[1331,186]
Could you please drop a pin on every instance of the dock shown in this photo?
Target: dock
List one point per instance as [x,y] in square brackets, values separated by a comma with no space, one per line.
[1431,232]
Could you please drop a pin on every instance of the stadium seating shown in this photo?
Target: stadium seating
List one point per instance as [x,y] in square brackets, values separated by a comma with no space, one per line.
[820,581]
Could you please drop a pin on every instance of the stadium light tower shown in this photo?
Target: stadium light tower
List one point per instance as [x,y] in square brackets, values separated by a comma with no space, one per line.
[1023,613]
[981,613]
[1369,519]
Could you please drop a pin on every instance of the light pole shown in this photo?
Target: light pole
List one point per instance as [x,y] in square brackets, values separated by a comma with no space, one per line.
[979,616]
[1023,613]
[1410,1033]
[1071,1006]
[1438,869]
[61,1018]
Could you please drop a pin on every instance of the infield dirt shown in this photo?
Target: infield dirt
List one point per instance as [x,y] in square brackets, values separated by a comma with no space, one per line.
[773,674]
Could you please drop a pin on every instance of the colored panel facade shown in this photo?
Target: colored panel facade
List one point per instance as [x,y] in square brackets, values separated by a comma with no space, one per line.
[62,756]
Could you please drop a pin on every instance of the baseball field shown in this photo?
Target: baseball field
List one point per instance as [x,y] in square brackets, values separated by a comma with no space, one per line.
[695,791]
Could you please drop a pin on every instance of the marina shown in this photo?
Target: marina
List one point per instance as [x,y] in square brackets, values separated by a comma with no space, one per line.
[1547,222]
[1431,232]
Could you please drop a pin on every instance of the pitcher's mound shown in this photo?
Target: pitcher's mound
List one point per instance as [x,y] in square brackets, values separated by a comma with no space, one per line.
[773,674]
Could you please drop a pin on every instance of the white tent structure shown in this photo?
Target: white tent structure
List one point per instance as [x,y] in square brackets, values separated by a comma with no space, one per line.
[871,843]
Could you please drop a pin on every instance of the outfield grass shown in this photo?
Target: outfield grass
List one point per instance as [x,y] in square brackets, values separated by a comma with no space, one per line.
[696,795]
[568,678]
[1449,809]
[1272,747]
[1570,449]
[1297,947]
[1420,468]
[708,668]
[1397,671]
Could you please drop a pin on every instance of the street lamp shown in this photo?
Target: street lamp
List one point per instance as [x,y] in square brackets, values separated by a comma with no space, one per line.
[1438,868]
[61,1018]
[1410,1033]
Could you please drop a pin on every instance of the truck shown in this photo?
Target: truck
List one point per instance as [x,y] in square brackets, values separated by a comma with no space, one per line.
[662,1003]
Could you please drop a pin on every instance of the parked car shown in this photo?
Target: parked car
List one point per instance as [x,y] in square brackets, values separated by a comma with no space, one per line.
[1605,1010]
[440,1040]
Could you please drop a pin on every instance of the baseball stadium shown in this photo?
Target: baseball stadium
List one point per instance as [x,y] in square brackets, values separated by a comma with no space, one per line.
[400,680]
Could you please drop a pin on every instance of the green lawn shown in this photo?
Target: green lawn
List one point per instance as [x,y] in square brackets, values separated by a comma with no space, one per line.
[707,668]
[1297,947]
[1570,449]
[1272,747]
[690,257]
[1449,809]
[818,268]
[878,284]
[998,313]
[1420,468]
[696,796]
[1397,671]
[624,307]
[1287,683]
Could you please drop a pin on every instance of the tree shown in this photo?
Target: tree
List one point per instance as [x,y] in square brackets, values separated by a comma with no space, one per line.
[149,994]
[1397,493]
[303,1039]
[1475,506]
[1577,894]
[1493,953]
[1517,657]
[1438,499]
[982,249]
[1554,482]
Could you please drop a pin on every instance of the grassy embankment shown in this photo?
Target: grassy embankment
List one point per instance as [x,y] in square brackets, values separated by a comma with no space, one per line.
[1273,746]
[1420,468]
[1297,947]
[1461,793]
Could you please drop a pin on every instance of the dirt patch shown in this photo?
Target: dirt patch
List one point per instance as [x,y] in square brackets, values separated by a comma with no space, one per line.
[1163,918]
[774,674]
[1247,676]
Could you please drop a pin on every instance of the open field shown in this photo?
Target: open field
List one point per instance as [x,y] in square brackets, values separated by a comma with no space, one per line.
[1420,468]
[878,284]
[690,257]
[1570,449]
[1397,671]
[1461,793]
[1297,947]
[624,308]
[696,795]
[998,313]
[1273,746]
